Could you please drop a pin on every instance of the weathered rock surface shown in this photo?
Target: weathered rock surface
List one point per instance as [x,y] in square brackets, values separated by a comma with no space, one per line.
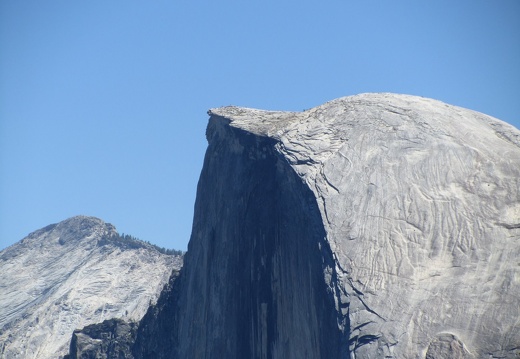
[112,338]
[373,226]
[419,206]
[71,274]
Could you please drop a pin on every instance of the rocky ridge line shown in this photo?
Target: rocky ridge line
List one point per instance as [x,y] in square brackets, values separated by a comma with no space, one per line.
[67,275]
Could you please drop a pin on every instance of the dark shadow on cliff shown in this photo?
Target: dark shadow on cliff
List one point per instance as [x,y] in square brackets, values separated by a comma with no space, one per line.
[252,285]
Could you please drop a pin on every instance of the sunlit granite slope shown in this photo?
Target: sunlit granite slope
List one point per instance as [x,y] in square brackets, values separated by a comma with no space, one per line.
[71,274]
[419,205]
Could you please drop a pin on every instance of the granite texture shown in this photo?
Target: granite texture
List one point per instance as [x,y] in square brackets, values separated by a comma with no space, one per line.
[419,203]
[69,275]
[373,226]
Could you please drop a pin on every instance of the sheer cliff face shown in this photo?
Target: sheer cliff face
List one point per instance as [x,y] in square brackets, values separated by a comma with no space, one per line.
[69,275]
[373,226]
[419,204]
[254,285]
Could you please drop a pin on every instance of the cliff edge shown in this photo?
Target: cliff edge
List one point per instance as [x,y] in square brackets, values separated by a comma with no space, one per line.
[373,226]
[420,205]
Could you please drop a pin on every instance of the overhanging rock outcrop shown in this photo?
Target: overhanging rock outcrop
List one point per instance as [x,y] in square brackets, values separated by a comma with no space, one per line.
[373,226]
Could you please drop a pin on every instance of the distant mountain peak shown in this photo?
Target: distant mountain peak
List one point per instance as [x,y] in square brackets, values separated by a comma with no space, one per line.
[74,228]
[70,274]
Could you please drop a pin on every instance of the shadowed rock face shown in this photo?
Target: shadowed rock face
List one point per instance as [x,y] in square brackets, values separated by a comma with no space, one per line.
[373,226]
[112,338]
[253,285]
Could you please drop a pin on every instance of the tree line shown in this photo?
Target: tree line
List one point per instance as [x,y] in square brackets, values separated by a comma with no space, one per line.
[136,242]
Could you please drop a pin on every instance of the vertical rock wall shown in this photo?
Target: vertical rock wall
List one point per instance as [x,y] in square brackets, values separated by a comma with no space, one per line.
[252,285]
[373,226]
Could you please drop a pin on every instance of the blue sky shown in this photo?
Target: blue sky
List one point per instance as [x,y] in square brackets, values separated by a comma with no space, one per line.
[103,103]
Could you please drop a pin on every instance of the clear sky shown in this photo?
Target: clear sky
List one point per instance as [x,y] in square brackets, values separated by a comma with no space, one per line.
[103,103]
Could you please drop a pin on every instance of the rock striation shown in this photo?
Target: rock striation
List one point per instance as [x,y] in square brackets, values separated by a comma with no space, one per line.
[373,226]
[69,275]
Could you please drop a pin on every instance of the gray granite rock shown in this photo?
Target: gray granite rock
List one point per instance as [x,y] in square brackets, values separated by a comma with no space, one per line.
[419,203]
[252,283]
[69,275]
[113,338]
[373,226]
